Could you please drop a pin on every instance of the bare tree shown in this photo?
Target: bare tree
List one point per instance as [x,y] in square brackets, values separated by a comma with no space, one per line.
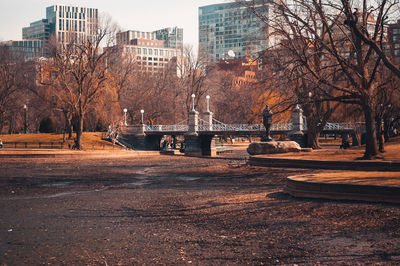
[15,77]
[192,76]
[383,11]
[80,72]
[348,68]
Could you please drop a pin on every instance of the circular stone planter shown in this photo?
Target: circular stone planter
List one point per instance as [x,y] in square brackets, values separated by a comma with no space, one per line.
[347,185]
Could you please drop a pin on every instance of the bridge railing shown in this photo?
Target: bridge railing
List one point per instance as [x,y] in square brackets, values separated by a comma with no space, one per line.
[339,126]
[179,127]
[219,126]
[167,128]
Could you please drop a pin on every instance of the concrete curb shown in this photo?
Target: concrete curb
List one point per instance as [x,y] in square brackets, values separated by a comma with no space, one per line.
[340,191]
[330,165]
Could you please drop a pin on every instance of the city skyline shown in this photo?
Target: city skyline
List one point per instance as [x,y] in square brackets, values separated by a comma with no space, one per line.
[144,15]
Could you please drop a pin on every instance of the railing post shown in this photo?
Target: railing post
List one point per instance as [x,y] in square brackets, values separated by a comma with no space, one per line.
[208,118]
[193,121]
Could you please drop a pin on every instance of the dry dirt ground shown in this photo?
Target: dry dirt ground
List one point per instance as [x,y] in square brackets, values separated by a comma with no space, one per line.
[180,210]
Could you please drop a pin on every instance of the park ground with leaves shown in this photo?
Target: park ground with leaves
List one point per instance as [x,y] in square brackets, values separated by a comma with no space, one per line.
[180,210]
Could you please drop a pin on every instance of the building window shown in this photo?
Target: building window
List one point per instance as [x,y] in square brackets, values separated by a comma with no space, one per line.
[139,50]
[155,51]
[144,50]
[150,51]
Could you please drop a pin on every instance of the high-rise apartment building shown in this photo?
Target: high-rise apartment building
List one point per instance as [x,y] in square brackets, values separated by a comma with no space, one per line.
[65,23]
[128,36]
[172,36]
[153,51]
[150,55]
[231,31]
[72,23]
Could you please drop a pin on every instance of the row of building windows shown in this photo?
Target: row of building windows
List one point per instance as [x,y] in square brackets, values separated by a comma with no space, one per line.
[71,11]
[71,25]
[71,15]
[69,36]
[151,64]
[149,51]
[152,58]
[151,44]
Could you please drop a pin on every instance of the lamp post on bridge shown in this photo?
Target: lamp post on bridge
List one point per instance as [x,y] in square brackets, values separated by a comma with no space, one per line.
[208,114]
[125,111]
[193,121]
[193,96]
[142,112]
[208,103]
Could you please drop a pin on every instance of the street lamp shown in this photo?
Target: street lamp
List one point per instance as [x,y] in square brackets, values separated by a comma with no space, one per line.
[193,102]
[142,112]
[25,119]
[208,103]
[125,111]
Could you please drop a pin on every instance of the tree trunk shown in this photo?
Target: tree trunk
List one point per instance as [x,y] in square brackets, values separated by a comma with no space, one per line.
[371,147]
[70,129]
[79,130]
[386,129]
[314,129]
[68,124]
[312,138]
[379,136]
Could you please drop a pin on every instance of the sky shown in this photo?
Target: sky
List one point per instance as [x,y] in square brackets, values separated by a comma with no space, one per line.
[142,15]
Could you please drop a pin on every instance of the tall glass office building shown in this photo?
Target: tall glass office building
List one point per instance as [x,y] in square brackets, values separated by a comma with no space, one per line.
[228,26]
[172,37]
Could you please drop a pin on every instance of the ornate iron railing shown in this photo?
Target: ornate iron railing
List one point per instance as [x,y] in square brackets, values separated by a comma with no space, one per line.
[179,127]
[222,127]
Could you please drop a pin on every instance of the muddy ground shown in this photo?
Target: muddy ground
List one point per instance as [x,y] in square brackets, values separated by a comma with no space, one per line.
[180,210]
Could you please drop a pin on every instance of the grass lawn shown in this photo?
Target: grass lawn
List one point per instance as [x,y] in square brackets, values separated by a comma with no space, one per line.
[90,140]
